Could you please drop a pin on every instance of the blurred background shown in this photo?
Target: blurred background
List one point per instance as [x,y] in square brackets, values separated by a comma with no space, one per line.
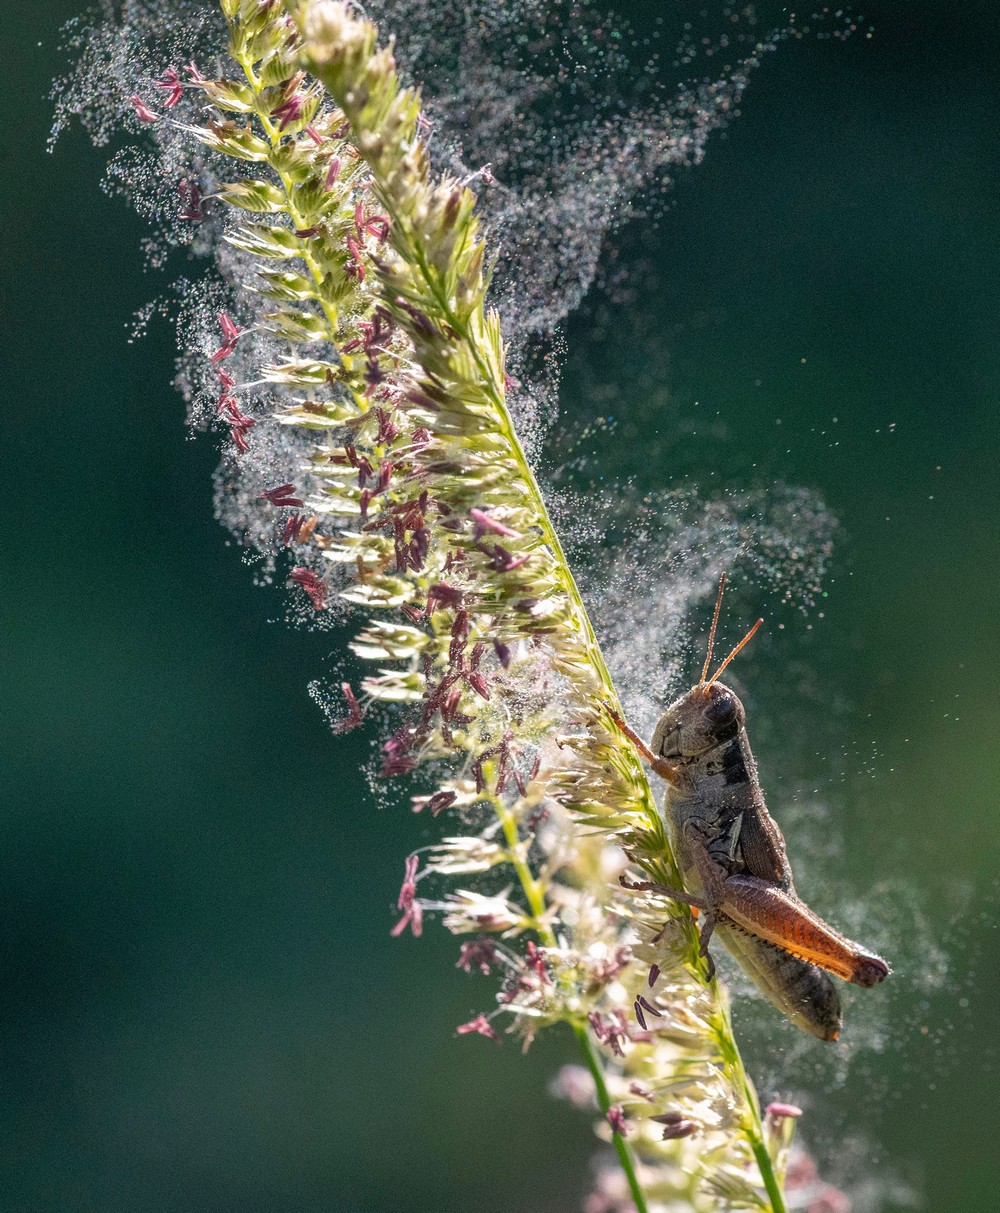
[200,1004]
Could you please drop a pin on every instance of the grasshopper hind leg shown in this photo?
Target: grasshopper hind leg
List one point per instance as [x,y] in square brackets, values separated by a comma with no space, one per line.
[705,935]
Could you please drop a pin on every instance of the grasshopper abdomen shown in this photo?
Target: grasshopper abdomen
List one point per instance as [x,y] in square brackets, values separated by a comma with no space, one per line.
[803,993]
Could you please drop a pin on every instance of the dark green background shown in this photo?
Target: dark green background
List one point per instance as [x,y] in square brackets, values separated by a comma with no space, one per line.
[200,1005]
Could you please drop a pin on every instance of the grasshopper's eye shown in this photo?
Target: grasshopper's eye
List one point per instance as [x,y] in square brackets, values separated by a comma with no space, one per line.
[723,707]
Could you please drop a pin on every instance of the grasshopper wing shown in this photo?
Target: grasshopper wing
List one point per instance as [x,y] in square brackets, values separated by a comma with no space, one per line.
[762,847]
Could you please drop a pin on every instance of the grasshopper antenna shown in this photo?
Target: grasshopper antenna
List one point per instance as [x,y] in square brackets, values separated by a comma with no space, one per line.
[711,634]
[745,641]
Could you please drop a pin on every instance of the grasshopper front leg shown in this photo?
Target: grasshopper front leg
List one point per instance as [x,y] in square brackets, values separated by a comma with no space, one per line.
[666,770]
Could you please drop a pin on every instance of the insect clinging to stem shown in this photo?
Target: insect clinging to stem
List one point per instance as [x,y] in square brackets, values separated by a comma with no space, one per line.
[732,858]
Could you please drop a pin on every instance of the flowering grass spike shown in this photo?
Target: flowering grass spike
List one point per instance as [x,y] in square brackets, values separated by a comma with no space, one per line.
[361,379]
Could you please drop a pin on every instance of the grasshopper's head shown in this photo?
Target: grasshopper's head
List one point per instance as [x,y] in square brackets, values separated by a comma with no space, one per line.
[709,715]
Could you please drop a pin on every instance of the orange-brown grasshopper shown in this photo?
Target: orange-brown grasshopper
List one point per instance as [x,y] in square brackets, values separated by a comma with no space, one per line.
[732,856]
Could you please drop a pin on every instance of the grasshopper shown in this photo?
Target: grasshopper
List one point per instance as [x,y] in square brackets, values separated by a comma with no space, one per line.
[732,856]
